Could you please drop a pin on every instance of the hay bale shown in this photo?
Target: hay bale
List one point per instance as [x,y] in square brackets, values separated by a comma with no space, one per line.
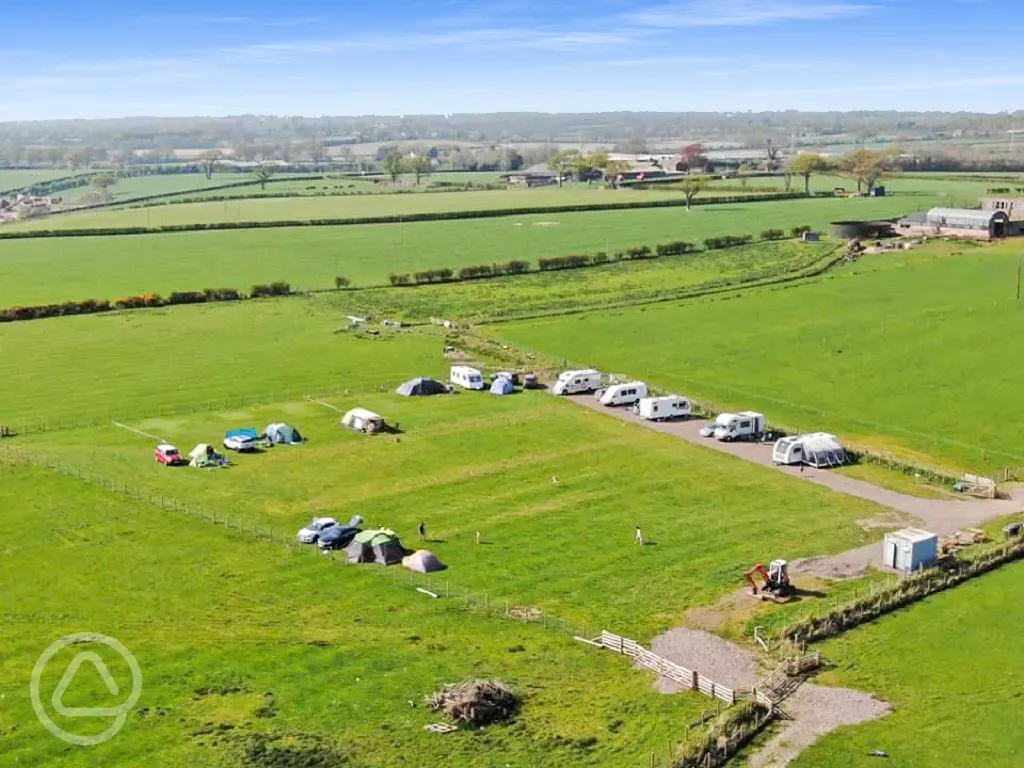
[476,702]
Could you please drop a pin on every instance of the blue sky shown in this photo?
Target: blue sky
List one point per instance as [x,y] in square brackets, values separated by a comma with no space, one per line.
[66,58]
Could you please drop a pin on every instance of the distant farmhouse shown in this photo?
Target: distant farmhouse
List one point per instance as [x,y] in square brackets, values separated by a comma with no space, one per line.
[26,207]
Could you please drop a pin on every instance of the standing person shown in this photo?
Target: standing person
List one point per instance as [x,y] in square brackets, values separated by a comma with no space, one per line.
[639,538]
[422,529]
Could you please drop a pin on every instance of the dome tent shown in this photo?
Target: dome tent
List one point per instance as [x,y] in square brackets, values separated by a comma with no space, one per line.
[375,546]
[502,386]
[420,386]
[423,561]
[283,434]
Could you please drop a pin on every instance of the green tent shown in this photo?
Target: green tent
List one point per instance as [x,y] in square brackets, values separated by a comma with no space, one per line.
[379,545]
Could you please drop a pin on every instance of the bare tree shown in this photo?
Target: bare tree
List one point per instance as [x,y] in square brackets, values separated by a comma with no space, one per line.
[692,186]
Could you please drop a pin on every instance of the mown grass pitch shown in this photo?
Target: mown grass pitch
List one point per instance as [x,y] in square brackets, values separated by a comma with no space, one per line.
[243,643]
[107,267]
[914,353]
[949,666]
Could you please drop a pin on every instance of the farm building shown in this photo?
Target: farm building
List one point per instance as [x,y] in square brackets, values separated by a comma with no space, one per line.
[909,550]
[960,222]
[1014,206]
[529,179]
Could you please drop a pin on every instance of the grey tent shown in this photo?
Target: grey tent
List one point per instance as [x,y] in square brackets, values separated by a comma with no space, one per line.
[421,386]
[283,434]
[502,386]
[423,561]
[375,546]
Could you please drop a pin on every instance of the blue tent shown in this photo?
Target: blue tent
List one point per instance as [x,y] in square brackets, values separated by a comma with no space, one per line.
[502,386]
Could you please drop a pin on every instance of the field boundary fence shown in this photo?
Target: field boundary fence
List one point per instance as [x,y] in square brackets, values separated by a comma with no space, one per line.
[210,405]
[434,586]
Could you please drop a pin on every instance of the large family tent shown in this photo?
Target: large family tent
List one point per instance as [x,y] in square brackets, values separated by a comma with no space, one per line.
[423,561]
[362,420]
[283,434]
[203,456]
[421,386]
[375,546]
[502,386]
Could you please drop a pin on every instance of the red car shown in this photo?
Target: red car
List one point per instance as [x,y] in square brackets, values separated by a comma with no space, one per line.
[168,455]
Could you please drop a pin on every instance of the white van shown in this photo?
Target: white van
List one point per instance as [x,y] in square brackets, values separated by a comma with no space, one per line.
[466,377]
[577,382]
[662,408]
[745,425]
[624,394]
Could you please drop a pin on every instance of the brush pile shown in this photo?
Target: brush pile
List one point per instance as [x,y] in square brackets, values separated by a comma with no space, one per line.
[476,702]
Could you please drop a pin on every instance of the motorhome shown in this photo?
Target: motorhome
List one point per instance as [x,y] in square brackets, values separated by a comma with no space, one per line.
[466,377]
[577,382]
[623,394]
[662,408]
[745,425]
[818,449]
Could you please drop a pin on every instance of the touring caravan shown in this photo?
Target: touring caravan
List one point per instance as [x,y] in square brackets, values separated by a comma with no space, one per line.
[577,382]
[662,408]
[745,425]
[623,394]
[466,377]
[818,449]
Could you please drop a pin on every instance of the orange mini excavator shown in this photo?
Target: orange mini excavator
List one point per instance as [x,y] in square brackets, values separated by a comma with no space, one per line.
[776,581]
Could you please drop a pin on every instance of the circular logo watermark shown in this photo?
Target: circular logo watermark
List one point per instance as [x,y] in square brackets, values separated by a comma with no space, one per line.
[119,713]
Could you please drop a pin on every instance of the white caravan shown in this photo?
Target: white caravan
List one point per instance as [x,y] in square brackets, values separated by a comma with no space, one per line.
[577,382]
[818,449]
[744,425]
[624,394]
[662,408]
[466,377]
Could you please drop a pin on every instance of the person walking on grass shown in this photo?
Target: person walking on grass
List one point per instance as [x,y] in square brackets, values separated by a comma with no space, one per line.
[639,538]
[422,530]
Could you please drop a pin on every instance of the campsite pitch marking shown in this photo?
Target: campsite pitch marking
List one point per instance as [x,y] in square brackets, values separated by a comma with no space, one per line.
[119,713]
[325,405]
[136,431]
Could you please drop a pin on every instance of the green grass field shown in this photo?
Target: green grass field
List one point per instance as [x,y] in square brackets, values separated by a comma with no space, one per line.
[252,654]
[114,266]
[132,187]
[11,180]
[560,291]
[899,352]
[135,363]
[950,668]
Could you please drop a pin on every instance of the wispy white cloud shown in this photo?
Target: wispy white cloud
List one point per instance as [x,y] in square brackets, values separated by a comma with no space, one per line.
[218,19]
[743,13]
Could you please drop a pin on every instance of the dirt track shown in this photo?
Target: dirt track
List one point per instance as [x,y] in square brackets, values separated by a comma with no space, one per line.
[939,516]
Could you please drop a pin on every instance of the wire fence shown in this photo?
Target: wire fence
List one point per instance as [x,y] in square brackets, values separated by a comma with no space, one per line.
[435,586]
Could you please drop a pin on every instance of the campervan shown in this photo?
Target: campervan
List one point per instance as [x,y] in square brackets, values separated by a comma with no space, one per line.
[577,382]
[818,449]
[623,394]
[745,425]
[662,408]
[466,377]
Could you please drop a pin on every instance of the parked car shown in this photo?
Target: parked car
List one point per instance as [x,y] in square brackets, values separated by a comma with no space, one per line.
[311,533]
[168,455]
[530,381]
[242,440]
[339,536]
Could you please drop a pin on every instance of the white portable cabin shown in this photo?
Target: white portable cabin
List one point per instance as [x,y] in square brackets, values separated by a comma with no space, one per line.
[662,408]
[466,377]
[818,449]
[624,394]
[577,382]
[739,426]
[909,550]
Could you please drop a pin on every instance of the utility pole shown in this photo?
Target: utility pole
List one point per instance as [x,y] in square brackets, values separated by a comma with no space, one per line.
[1020,262]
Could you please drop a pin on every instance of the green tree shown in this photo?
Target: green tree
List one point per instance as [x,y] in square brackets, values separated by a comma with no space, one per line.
[263,174]
[421,166]
[805,165]
[612,170]
[208,161]
[693,185]
[393,164]
[103,182]
[869,166]
[563,162]
[75,158]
